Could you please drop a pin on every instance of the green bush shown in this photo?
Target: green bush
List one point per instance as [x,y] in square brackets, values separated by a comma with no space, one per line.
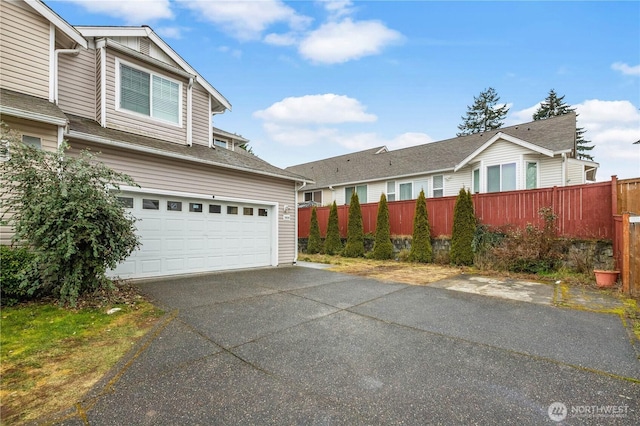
[464,228]
[314,245]
[333,243]
[66,210]
[383,247]
[355,231]
[421,250]
[15,273]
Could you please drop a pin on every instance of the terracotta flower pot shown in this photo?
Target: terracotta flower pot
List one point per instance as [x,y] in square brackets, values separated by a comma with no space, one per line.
[606,278]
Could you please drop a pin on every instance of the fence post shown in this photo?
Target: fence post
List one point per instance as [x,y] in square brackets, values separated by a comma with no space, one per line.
[624,268]
[614,195]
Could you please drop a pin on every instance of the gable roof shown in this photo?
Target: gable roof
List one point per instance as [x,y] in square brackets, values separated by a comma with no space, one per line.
[81,128]
[146,31]
[56,20]
[549,137]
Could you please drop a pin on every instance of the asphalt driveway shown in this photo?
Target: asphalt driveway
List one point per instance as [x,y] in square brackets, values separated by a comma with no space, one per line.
[304,346]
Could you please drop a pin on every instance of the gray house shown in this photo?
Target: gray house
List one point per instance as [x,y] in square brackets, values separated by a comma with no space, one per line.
[537,154]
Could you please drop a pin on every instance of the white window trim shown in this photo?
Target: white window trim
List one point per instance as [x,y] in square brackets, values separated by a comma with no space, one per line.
[312,196]
[150,117]
[226,143]
[395,190]
[399,193]
[433,186]
[518,167]
[524,173]
[479,169]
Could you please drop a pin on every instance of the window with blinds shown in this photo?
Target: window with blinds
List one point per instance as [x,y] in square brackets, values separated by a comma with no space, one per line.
[149,94]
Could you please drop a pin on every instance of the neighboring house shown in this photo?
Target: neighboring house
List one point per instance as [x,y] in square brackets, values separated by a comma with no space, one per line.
[204,204]
[538,154]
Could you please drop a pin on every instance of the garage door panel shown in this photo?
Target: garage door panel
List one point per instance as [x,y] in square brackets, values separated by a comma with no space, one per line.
[184,241]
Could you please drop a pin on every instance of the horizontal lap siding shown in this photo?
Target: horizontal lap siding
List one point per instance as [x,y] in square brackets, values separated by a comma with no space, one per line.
[139,124]
[77,83]
[24,50]
[201,118]
[176,175]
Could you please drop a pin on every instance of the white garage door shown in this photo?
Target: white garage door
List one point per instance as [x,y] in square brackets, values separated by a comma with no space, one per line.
[181,235]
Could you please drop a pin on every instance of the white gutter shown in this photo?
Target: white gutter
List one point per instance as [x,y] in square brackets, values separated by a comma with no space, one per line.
[104,141]
[30,115]
[295,222]
[56,56]
[189,113]
[356,182]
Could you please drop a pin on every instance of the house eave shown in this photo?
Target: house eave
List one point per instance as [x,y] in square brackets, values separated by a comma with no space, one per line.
[34,116]
[59,23]
[148,150]
[386,178]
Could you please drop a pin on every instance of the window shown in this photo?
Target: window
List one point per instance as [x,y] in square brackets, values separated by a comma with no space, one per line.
[232,210]
[215,208]
[501,177]
[247,211]
[148,204]
[438,186]
[361,190]
[174,206]
[420,185]
[32,141]
[406,191]
[149,94]
[315,196]
[195,207]
[532,175]
[220,143]
[262,212]
[126,202]
[476,181]
[391,190]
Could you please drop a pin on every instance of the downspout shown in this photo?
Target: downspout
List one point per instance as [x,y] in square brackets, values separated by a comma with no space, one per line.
[564,169]
[189,114]
[102,45]
[56,55]
[295,224]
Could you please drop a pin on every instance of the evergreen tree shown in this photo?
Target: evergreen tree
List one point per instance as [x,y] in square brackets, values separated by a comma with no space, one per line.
[464,228]
[314,244]
[484,114]
[383,247]
[355,231]
[421,250]
[333,243]
[553,106]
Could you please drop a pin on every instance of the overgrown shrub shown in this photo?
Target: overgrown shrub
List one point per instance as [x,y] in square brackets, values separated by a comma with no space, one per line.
[464,227]
[355,231]
[421,249]
[530,250]
[314,245]
[15,273]
[65,209]
[333,243]
[383,247]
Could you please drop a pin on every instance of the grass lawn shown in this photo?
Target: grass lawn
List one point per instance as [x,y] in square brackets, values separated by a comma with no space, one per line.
[50,356]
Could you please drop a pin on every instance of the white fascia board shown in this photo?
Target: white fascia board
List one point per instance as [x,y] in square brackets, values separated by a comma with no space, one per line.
[100,140]
[507,138]
[210,197]
[225,134]
[584,162]
[112,31]
[56,20]
[34,116]
[144,58]
[385,178]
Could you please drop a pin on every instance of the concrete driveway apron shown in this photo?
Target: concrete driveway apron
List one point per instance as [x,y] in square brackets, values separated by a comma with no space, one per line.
[297,345]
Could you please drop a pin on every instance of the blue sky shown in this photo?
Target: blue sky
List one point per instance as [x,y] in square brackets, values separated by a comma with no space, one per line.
[314,79]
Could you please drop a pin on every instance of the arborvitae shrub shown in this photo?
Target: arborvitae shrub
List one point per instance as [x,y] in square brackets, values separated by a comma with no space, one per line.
[333,243]
[314,245]
[383,247]
[421,250]
[355,232]
[464,228]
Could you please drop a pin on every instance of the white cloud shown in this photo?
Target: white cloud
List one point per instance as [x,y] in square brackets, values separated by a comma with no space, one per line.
[337,8]
[170,32]
[338,42]
[320,109]
[133,12]
[245,19]
[522,116]
[625,68]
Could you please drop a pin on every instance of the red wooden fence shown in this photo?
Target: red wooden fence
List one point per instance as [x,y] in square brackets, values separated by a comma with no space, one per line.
[584,211]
